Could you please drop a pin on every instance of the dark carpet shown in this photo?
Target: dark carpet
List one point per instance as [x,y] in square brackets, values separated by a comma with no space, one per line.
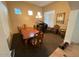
[50,43]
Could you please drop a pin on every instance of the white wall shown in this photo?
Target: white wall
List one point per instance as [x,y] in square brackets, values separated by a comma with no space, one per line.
[4,31]
[72,34]
[75,35]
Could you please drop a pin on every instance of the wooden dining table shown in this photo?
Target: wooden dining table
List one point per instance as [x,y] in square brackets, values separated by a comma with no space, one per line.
[28,32]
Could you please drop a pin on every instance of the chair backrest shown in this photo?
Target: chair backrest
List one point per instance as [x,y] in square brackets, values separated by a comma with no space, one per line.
[39,36]
[19,29]
[57,27]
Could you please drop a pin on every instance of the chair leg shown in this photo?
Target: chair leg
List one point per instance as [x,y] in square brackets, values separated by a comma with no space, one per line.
[13,53]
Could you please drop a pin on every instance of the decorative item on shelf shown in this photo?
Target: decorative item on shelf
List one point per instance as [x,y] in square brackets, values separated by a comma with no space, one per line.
[60,17]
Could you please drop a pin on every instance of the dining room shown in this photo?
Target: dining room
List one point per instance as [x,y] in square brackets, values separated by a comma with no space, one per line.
[37,29]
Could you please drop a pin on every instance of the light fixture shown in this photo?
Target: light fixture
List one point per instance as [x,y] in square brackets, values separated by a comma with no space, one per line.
[38,15]
[30,12]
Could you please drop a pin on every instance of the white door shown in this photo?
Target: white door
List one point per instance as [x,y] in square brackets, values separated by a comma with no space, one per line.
[49,18]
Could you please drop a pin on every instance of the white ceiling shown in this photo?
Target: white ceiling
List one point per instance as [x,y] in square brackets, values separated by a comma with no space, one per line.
[41,3]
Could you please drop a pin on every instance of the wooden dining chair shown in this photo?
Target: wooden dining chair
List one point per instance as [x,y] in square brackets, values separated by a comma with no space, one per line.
[37,40]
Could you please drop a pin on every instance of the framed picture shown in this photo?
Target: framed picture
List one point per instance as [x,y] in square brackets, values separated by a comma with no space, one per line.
[60,18]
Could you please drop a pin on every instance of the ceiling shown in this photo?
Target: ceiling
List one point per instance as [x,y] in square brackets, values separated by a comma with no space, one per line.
[41,3]
[72,4]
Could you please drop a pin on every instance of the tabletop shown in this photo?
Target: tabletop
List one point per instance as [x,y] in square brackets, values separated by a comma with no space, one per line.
[28,32]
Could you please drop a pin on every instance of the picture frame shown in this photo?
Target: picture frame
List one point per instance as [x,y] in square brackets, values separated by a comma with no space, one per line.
[60,18]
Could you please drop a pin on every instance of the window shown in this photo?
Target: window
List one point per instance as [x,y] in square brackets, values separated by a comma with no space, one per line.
[49,18]
[30,12]
[17,11]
